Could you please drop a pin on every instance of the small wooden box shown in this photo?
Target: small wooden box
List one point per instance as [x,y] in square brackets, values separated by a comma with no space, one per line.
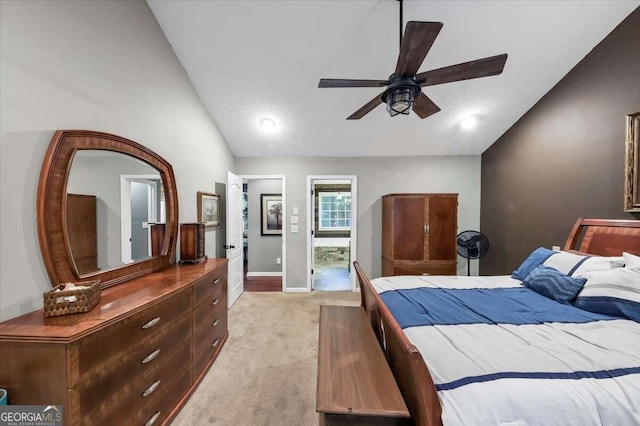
[192,243]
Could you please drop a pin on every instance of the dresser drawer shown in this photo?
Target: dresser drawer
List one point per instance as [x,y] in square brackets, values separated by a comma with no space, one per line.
[205,286]
[93,352]
[153,385]
[157,410]
[103,390]
[207,341]
[210,310]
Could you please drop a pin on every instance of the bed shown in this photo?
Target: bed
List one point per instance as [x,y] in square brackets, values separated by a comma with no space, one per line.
[533,361]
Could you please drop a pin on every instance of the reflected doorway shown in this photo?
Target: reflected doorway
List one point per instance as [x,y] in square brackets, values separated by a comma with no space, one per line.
[142,203]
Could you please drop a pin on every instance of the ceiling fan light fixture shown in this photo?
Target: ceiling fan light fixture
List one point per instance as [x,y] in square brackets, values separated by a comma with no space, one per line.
[400,101]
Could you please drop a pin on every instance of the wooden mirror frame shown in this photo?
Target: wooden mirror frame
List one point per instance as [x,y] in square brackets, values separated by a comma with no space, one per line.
[52,206]
[632,164]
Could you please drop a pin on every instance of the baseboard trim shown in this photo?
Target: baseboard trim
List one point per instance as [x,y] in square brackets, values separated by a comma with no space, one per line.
[296,290]
[264,274]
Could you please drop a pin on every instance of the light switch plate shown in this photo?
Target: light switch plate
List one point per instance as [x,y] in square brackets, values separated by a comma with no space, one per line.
[294,228]
[295,210]
[294,219]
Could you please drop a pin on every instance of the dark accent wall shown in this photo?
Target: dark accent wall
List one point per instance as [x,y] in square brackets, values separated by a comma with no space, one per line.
[564,158]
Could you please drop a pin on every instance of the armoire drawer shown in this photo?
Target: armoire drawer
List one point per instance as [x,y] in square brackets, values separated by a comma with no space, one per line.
[208,284]
[105,389]
[91,353]
[153,385]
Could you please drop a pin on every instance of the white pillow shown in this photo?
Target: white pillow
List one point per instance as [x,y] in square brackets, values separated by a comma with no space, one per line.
[577,265]
[615,292]
[631,260]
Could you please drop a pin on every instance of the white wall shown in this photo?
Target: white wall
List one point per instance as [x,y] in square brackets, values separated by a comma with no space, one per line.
[263,250]
[99,65]
[376,177]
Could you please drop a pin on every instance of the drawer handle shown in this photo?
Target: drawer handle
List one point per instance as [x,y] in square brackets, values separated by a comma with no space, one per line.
[153,419]
[215,323]
[215,302]
[151,356]
[151,323]
[216,281]
[215,343]
[151,388]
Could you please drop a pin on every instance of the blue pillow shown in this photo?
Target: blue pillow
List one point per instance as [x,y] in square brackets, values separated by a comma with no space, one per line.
[554,284]
[536,258]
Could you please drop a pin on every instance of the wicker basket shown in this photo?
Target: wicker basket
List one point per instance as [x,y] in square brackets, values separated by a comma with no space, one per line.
[87,298]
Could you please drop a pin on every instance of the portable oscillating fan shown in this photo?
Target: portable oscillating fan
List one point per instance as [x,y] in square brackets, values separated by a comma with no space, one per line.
[472,245]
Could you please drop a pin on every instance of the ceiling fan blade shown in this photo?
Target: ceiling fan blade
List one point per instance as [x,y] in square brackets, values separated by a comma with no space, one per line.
[367,108]
[416,42]
[424,107]
[338,82]
[465,71]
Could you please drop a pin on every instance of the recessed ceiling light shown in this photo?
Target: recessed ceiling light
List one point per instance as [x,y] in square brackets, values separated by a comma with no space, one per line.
[469,122]
[267,124]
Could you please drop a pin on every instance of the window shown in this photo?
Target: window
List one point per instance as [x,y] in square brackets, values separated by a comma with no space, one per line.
[334,211]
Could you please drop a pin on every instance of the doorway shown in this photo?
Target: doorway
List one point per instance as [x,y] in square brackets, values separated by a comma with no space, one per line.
[331,242]
[263,227]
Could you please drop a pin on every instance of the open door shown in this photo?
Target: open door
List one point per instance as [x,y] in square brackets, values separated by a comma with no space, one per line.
[234,247]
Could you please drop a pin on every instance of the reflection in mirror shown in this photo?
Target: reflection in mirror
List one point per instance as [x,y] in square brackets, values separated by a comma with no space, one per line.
[111,200]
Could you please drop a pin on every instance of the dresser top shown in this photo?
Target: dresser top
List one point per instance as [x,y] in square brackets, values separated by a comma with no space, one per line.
[115,303]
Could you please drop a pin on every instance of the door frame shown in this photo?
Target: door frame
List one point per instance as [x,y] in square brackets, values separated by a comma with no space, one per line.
[125,212]
[283,181]
[354,223]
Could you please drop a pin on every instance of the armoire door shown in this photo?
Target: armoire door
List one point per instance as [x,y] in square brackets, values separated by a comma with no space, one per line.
[409,227]
[442,222]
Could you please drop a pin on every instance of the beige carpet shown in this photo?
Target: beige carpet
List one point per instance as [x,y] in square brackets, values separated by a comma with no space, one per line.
[266,372]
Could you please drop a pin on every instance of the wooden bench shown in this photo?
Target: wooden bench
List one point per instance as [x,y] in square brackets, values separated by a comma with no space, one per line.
[355,384]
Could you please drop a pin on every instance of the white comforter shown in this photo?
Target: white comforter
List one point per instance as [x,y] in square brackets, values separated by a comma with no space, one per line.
[529,374]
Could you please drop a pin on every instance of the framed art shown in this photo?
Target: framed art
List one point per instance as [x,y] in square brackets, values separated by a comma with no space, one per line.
[632,164]
[209,209]
[271,214]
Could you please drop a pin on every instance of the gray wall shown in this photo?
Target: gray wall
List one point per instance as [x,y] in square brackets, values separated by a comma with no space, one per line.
[100,65]
[376,177]
[564,159]
[263,250]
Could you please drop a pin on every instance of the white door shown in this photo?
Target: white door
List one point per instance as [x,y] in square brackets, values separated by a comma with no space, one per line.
[235,281]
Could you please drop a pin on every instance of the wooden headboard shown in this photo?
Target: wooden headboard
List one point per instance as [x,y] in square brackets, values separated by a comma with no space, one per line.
[605,237]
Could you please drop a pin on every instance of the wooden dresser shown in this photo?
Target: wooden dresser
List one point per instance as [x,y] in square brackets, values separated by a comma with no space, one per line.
[419,234]
[133,359]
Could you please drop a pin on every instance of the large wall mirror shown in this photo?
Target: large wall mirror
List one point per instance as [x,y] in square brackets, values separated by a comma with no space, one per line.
[107,209]
[632,164]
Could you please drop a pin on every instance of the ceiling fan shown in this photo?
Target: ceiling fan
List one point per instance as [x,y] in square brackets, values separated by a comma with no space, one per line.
[403,90]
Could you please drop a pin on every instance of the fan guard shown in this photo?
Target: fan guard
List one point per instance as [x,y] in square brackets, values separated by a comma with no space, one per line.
[472,245]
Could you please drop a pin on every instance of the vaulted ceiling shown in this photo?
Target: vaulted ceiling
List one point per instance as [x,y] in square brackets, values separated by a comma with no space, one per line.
[250,60]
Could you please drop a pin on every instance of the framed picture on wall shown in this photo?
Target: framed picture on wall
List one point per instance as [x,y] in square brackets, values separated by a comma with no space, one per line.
[632,164]
[271,214]
[209,209]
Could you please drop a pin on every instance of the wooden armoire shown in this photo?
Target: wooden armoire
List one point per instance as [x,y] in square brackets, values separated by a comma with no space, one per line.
[419,234]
